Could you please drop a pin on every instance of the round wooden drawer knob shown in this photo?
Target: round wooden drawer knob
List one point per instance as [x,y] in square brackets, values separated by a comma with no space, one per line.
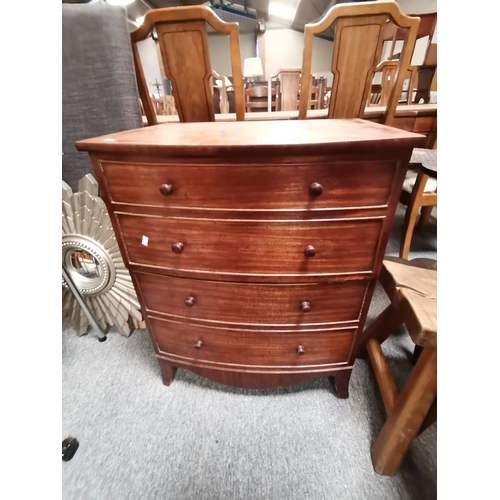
[305,306]
[166,189]
[190,301]
[315,189]
[198,344]
[177,247]
[310,251]
[300,350]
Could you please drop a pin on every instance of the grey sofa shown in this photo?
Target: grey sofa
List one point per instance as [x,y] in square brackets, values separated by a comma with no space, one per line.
[99,90]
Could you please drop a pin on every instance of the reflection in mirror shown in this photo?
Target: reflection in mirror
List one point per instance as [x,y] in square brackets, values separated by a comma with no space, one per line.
[86,264]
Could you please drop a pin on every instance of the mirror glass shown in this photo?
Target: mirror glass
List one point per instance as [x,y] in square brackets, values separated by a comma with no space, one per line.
[85,264]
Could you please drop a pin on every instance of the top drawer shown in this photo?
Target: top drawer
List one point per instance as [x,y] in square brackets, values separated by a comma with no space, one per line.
[251,187]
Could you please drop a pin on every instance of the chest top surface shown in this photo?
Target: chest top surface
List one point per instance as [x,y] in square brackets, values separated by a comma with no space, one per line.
[304,136]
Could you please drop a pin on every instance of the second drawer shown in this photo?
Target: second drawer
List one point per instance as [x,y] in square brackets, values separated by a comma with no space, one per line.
[252,248]
[249,303]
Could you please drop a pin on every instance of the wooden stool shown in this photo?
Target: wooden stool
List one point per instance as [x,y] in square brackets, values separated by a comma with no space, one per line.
[411,287]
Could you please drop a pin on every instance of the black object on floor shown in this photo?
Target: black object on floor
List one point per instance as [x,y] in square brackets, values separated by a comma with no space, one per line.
[69,447]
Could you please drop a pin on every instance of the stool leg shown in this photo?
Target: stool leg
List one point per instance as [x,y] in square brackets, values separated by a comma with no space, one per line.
[381,328]
[404,421]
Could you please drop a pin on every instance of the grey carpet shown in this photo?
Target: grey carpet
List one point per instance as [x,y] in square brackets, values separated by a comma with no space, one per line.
[197,440]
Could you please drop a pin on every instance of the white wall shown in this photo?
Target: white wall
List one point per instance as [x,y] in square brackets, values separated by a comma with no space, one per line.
[220,57]
[150,64]
[284,48]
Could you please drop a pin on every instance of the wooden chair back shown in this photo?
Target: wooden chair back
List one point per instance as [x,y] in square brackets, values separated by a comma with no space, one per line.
[426,28]
[288,82]
[389,72]
[182,37]
[358,37]
[259,98]
[376,95]
[288,86]
[220,91]
[164,105]
[317,93]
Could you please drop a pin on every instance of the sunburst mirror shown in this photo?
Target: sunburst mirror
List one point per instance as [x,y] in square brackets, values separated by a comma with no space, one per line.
[92,259]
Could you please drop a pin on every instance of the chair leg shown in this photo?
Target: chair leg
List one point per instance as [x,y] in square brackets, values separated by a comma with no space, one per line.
[425,214]
[408,227]
[414,205]
[406,418]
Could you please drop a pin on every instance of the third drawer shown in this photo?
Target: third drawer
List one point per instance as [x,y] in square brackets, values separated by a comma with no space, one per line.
[253,303]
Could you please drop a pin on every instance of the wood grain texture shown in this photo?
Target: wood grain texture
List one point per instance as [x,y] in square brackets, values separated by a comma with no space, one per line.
[359,34]
[353,63]
[251,303]
[274,187]
[255,138]
[252,247]
[233,346]
[182,36]
[251,378]
[407,416]
[383,374]
[214,221]
[260,98]
[289,88]
[188,68]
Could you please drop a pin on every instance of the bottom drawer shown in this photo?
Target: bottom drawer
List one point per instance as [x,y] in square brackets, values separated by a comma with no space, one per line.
[253,347]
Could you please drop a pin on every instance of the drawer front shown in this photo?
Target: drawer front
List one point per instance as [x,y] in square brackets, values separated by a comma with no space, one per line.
[247,347]
[252,247]
[425,124]
[251,187]
[250,303]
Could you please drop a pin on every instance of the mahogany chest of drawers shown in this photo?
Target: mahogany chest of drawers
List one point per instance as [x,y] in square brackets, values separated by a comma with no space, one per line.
[254,247]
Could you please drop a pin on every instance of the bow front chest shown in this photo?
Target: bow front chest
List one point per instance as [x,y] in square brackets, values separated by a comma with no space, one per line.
[254,247]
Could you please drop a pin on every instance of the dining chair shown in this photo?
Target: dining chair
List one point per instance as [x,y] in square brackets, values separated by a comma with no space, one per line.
[317,93]
[259,98]
[288,87]
[389,69]
[375,95]
[426,28]
[424,72]
[182,36]
[222,85]
[359,29]
[419,194]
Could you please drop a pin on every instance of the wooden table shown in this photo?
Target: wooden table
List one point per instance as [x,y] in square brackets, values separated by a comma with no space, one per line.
[419,118]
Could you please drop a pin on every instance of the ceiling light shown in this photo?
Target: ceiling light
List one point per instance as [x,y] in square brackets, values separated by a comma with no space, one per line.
[283,10]
[119,2]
